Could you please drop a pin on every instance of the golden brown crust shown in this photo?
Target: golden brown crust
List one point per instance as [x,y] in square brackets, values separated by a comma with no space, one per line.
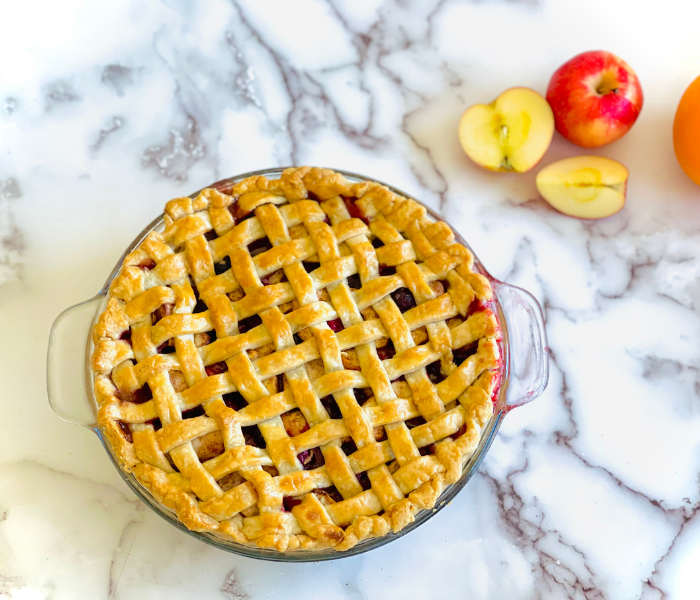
[249,322]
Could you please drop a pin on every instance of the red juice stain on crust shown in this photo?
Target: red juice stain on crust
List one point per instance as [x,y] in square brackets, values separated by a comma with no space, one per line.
[238,213]
[496,388]
[289,502]
[354,210]
[476,306]
[498,374]
[386,352]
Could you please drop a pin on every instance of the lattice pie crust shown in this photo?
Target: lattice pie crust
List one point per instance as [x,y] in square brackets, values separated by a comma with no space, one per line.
[297,363]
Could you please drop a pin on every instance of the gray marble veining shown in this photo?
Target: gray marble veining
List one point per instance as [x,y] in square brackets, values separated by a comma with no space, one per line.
[108,109]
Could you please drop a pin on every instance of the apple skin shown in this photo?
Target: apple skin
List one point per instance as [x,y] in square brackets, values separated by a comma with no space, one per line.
[595,97]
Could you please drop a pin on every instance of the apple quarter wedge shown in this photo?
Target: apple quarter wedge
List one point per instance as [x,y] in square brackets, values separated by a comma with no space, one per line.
[587,187]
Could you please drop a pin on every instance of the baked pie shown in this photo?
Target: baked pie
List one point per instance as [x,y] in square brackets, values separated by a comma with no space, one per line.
[296,363]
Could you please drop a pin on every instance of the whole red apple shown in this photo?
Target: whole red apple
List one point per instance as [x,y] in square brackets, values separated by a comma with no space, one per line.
[595,98]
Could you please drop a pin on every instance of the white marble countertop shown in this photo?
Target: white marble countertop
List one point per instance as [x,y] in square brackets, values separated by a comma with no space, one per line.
[107,109]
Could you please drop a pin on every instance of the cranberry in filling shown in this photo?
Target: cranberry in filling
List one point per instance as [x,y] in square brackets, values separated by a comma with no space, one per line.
[143,394]
[223,265]
[349,447]
[248,323]
[200,307]
[163,310]
[354,282]
[166,348]
[336,325]
[462,354]
[311,459]
[297,339]
[377,243]
[279,384]
[126,336]
[216,369]
[234,400]
[147,264]
[197,411]
[362,395]
[364,480]
[125,431]
[310,266]
[386,352]
[156,424]
[414,422]
[385,271]
[331,406]
[290,502]
[435,372]
[330,491]
[425,450]
[253,437]
[404,299]
[259,246]
[211,235]
[461,431]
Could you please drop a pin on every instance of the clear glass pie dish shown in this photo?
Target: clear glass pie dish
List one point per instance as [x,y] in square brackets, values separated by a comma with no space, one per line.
[524,375]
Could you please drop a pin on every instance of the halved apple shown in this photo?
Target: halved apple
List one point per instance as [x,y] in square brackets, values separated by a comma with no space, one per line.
[587,187]
[510,134]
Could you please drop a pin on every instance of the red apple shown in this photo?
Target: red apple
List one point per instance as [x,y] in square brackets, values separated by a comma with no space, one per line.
[595,97]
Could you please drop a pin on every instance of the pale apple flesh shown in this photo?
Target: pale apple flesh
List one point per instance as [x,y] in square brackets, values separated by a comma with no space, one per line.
[587,187]
[510,134]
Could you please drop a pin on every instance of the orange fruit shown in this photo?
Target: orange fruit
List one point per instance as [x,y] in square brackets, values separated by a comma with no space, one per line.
[686,131]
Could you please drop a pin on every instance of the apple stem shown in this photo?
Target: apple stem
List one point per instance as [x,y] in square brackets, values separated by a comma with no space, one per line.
[608,84]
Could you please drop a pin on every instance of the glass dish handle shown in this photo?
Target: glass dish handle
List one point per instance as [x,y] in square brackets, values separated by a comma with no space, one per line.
[528,371]
[66,360]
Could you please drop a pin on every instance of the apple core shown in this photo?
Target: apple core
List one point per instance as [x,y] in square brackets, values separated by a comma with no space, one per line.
[510,134]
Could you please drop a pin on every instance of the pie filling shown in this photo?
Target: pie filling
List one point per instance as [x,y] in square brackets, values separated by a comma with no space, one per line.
[297,363]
